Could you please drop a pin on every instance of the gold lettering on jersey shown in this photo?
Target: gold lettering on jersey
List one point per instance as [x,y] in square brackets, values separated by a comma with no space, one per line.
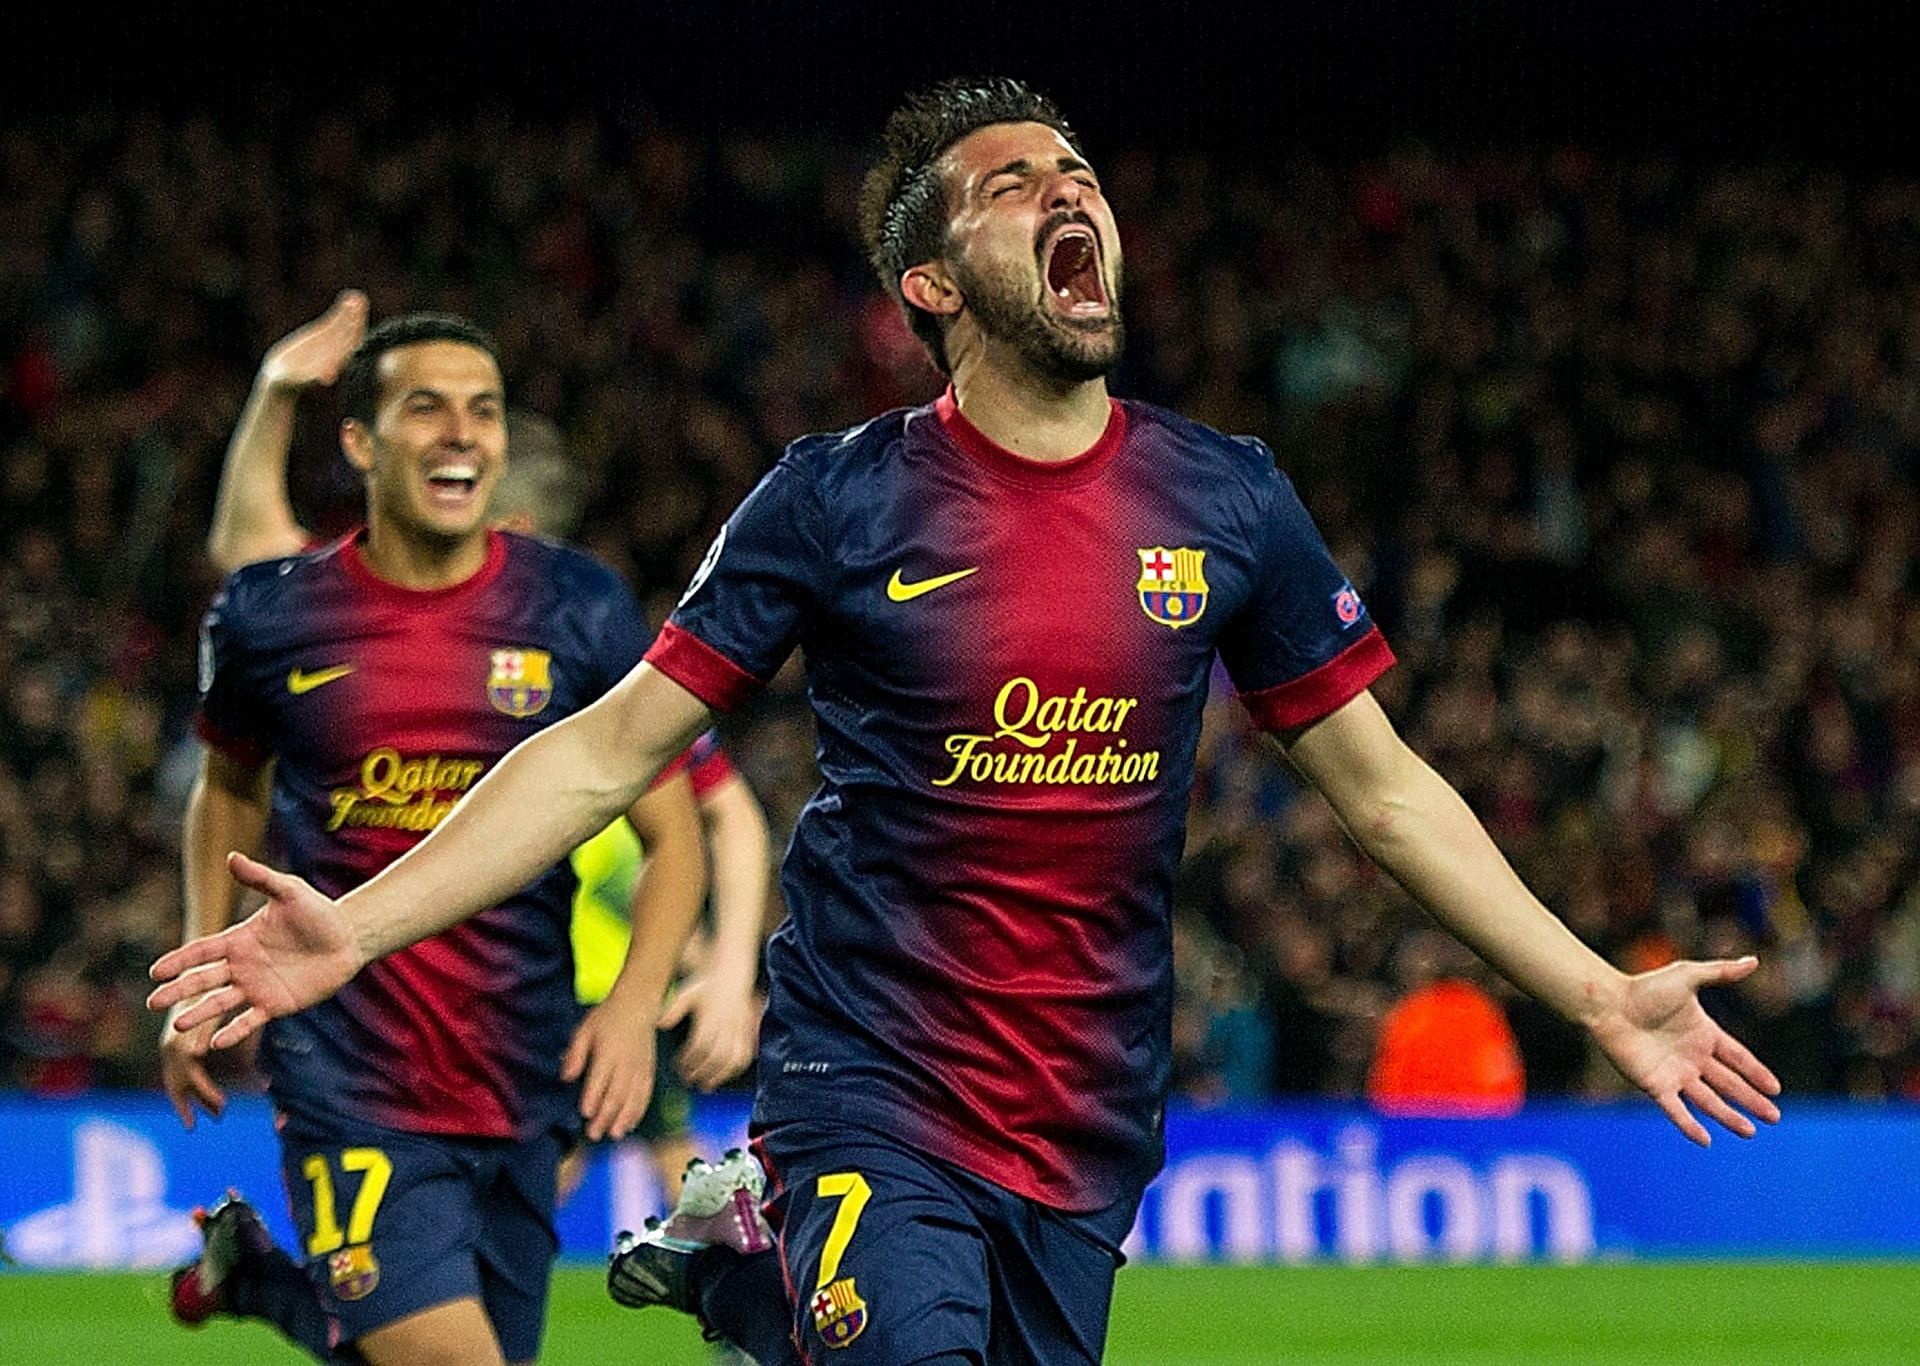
[401,793]
[1020,748]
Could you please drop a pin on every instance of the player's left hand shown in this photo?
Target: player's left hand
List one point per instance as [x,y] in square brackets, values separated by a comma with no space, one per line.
[724,1032]
[1662,1041]
[613,1049]
[317,352]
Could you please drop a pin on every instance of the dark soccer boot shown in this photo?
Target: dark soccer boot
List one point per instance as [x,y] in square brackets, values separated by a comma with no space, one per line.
[651,1269]
[230,1233]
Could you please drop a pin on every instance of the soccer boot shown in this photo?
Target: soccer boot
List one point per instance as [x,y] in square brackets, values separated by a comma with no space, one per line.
[653,1268]
[719,1207]
[230,1234]
[719,1204]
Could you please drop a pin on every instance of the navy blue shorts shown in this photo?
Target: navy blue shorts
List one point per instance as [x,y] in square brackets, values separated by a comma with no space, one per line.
[393,1223]
[891,1256]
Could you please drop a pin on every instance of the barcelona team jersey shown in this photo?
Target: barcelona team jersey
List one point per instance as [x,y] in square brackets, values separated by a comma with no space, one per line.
[1007,662]
[381,706]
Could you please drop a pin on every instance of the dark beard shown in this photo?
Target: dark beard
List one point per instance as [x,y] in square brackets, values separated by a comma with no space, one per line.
[1054,349]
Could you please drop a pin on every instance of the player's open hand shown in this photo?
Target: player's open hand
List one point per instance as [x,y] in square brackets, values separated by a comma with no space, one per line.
[293,952]
[316,352]
[1666,1044]
[723,1033]
[613,1050]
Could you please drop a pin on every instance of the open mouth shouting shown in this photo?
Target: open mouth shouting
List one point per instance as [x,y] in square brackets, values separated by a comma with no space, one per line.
[1070,262]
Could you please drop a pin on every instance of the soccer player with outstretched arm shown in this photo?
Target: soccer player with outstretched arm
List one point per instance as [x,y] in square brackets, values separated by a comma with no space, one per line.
[351,697]
[1009,602]
[714,1011]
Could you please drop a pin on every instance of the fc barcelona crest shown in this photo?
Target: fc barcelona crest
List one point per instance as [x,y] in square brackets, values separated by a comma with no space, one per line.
[353,1272]
[521,681]
[838,1313]
[1173,585]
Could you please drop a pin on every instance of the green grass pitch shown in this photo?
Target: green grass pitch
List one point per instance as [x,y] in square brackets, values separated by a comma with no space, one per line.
[1773,1312]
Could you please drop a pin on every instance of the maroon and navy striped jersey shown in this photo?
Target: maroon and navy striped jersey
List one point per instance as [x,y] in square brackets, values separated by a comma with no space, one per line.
[380,706]
[1007,662]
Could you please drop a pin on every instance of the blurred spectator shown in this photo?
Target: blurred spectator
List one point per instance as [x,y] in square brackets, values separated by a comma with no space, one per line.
[1445,1047]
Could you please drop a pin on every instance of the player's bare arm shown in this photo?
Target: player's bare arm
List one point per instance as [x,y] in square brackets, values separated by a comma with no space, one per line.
[252,513]
[227,809]
[544,798]
[718,997]
[614,1047]
[1412,823]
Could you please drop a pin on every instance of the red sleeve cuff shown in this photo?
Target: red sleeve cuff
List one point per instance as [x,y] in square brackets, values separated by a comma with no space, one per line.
[701,669]
[1304,700]
[246,753]
[709,770]
[666,775]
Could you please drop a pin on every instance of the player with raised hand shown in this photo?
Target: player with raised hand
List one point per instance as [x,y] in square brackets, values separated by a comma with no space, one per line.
[252,515]
[1011,601]
[351,697]
[253,520]
[537,494]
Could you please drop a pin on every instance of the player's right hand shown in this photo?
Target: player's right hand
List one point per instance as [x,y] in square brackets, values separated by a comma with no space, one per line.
[315,353]
[724,1033]
[293,952]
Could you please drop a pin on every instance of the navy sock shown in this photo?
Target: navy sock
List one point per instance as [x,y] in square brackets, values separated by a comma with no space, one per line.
[744,1300]
[272,1286]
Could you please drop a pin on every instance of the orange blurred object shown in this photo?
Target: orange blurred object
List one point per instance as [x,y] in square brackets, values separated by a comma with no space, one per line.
[1446,1050]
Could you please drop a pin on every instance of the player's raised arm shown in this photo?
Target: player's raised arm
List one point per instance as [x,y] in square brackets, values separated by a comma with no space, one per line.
[252,513]
[539,802]
[1412,823]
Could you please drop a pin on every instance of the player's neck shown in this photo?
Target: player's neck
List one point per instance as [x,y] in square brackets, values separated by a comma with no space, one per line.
[419,562]
[1029,416]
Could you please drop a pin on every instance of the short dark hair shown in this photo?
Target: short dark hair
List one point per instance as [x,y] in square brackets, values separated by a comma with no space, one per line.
[360,379]
[903,208]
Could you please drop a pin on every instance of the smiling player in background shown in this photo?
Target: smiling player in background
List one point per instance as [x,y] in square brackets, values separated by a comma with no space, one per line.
[352,696]
[714,1013]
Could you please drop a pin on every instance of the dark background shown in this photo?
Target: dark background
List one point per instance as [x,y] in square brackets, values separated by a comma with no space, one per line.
[1348,77]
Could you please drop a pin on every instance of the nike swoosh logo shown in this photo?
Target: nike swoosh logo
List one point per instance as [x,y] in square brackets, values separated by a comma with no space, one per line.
[299,681]
[899,590]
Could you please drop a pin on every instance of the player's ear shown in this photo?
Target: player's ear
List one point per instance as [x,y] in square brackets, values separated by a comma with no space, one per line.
[356,442]
[931,288]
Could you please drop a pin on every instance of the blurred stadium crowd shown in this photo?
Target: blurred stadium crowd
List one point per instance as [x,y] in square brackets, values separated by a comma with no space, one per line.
[1621,450]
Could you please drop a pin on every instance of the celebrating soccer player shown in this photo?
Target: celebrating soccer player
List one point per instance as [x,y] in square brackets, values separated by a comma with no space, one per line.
[351,698]
[714,1005]
[1010,601]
